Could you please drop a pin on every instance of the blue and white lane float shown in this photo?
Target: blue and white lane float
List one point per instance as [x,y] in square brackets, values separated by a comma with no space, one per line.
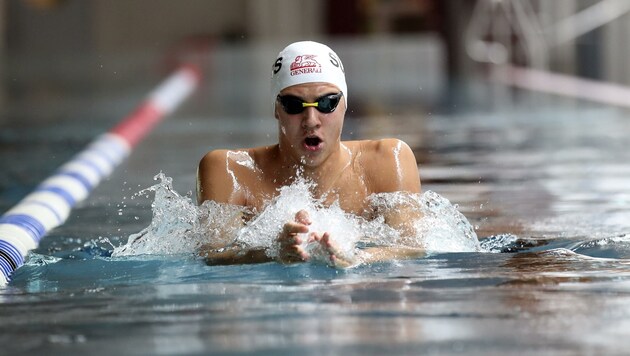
[49,205]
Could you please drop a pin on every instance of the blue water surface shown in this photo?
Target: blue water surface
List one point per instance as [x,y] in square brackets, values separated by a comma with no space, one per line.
[545,190]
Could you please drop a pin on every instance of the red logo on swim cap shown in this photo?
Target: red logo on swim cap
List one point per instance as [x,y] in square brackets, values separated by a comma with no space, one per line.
[305,64]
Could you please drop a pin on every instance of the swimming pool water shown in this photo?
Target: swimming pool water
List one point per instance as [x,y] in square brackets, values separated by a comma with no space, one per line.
[545,189]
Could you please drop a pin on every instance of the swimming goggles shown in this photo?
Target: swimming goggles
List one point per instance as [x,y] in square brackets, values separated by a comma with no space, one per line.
[293,105]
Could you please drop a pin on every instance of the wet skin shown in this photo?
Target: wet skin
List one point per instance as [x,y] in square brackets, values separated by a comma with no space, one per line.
[309,145]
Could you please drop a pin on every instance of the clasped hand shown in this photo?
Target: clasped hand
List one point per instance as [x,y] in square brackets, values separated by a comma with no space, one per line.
[291,248]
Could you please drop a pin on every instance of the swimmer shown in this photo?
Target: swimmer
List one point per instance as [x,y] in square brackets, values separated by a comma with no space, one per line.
[310,99]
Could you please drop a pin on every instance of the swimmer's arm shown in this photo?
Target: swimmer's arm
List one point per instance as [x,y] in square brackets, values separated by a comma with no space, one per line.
[400,175]
[336,258]
[216,180]
[394,168]
[289,245]
[401,218]
[389,253]
[232,255]
[224,251]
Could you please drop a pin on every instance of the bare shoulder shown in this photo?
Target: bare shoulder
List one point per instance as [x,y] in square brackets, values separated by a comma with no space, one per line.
[219,162]
[388,145]
[211,174]
[227,156]
[390,149]
[213,157]
[389,164]
[221,174]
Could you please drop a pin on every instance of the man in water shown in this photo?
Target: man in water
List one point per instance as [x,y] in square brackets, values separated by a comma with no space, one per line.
[310,94]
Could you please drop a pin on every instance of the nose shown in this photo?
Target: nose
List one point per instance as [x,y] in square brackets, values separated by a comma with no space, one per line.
[310,119]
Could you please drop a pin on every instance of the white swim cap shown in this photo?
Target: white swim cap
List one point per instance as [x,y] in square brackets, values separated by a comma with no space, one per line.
[307,62]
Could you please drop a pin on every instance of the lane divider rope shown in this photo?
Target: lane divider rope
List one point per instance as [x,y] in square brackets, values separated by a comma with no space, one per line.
[49,205]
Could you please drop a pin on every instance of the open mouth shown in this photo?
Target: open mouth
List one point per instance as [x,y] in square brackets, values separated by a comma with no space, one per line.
[312,142]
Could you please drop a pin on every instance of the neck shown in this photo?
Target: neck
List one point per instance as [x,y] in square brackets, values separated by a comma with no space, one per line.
[323,175]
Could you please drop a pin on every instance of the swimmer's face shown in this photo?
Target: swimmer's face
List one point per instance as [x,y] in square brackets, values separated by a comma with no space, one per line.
[310,136]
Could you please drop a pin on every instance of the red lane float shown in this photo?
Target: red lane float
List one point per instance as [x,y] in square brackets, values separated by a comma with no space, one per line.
[49,205]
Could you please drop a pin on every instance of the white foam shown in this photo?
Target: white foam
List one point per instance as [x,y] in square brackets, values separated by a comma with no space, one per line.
[180,226]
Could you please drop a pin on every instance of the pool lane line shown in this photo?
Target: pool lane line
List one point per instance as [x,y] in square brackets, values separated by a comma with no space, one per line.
[49,205]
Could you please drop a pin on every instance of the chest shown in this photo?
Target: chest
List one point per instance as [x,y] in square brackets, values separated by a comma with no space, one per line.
[351,191]
[349,188]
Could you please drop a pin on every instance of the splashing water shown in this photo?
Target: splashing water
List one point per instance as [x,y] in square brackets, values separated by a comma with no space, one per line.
[263,230]
[180,226]
[440,229]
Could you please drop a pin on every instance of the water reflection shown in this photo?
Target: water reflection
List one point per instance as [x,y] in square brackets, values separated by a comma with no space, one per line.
[545,189]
